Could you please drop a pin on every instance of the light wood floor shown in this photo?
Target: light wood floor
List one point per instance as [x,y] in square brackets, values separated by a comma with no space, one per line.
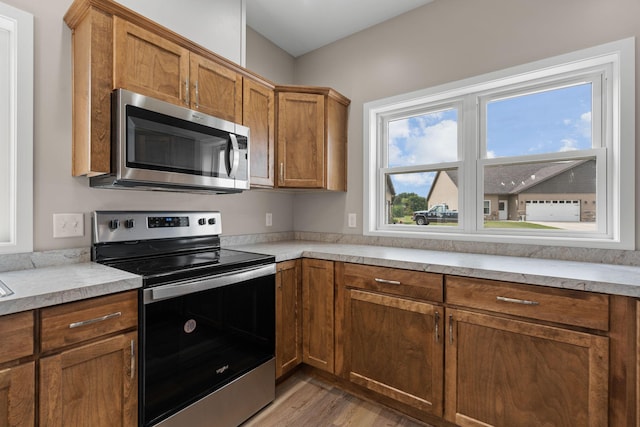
[307,402]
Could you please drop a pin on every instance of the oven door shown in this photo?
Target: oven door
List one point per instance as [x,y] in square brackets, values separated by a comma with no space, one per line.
[199,336]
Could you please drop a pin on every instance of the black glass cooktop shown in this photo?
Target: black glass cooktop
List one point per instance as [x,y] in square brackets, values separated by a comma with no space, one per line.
[175,267]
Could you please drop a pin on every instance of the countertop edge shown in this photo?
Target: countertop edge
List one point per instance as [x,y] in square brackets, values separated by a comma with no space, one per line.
[43,287]
[601,278]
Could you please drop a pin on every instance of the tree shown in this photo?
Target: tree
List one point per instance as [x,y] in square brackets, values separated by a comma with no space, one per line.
[408,202]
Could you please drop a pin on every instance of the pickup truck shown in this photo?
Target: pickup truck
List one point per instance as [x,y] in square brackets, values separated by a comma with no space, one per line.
[436,213]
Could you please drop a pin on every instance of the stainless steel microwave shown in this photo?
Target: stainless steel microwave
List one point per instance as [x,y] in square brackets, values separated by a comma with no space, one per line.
[161,146]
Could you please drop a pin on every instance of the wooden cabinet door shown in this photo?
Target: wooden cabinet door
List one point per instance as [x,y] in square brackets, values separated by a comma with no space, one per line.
[317,314]
[503,372]
[17,395]
[92,385]
[215,89]
[301,137]
[288,316]
[147,63]
[258,116]
[394,346]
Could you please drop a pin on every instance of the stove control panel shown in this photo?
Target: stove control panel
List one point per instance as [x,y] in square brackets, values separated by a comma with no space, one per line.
[119,226]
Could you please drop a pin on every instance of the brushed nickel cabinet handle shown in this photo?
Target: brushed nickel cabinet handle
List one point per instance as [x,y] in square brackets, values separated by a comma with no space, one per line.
[517,301]
[133,358]
[451,329]
[197,95]
[437,326]
[281,172]
[96,320]
[186,92]
[389,282]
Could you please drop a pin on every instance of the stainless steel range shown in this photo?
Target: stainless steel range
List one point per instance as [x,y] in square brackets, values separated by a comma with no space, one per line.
[207,316]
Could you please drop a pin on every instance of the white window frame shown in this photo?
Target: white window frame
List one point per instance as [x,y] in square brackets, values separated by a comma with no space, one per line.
[613,149]
[19,26]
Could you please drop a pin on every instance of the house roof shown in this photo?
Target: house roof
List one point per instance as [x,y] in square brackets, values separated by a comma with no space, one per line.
[514,179]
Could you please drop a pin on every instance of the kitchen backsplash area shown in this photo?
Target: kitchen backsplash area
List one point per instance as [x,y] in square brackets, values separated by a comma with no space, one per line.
[51,258]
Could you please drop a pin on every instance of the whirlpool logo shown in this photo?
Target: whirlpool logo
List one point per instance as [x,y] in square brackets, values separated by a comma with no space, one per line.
[221,370]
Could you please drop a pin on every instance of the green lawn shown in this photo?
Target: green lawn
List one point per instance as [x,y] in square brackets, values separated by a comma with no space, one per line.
[487,224]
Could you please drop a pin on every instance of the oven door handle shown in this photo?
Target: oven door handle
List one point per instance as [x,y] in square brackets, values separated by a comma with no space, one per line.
[202,284]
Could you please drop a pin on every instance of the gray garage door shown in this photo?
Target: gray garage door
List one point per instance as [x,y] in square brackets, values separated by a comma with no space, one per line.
[553,210]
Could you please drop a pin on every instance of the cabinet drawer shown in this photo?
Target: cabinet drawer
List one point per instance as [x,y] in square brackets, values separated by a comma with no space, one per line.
[16,332]
[75,322]
[578,308]
[408,283]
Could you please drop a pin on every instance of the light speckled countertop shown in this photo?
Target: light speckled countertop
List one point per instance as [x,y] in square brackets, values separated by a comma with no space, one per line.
[41,287]
[603,278]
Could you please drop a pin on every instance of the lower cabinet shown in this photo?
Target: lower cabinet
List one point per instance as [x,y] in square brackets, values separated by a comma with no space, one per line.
[504,372]
[17,395]
[318,314]
[393,346]
[94,384]
[88,372]
[391,337]
[288,316]
[17,370]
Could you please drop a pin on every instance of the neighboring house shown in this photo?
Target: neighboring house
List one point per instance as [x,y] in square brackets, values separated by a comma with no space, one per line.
[558,191]
[390,194]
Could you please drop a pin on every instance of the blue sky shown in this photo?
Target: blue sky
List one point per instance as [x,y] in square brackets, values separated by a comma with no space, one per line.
[544,122]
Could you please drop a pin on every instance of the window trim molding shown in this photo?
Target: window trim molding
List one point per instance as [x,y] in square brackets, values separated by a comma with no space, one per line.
[21,180]
[621,54]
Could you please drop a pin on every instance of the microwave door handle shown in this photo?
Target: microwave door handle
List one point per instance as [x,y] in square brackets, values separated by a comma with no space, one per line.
[236,156]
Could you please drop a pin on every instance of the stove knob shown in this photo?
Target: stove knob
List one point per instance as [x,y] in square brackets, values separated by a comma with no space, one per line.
[114,224]
[202,221]
[129,223]
[212,221]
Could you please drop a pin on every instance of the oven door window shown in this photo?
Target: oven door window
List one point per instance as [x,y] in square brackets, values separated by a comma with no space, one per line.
[197,343]
[159,142]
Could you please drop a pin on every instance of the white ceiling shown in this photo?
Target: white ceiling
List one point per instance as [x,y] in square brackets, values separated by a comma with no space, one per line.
[300,26]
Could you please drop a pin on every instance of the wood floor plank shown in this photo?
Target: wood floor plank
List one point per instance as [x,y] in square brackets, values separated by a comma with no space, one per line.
[305,401]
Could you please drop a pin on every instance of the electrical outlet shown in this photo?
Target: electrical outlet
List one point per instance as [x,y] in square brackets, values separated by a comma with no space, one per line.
[269,219]
[352,220]
[68,225]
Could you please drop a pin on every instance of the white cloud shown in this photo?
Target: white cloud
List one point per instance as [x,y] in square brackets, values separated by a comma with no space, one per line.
[415,145]
[568,144]
[584,125]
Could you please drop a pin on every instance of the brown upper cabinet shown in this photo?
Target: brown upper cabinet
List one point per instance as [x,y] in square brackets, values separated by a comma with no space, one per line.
[258,114]
[114,47]
[150,64]
[311,138]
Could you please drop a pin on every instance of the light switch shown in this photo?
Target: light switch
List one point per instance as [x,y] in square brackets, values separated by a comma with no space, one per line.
[352,220]
[68,225]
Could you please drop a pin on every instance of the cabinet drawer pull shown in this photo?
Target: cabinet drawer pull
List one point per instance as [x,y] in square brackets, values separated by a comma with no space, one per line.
[96,320]
[389,282]
[437,328]
[517,301]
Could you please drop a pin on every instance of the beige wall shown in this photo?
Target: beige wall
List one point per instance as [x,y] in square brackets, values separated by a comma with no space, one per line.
[56,191]
[444,41]
[268,60]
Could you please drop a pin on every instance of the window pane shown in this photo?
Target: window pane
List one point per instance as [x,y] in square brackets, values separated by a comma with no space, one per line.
[543,122]
[422,198]
[6,203]
[425,139]
[551,195]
